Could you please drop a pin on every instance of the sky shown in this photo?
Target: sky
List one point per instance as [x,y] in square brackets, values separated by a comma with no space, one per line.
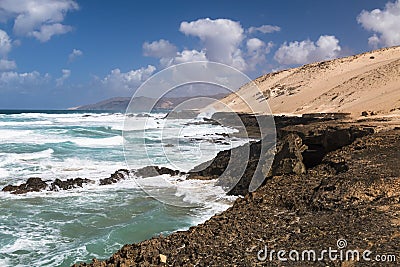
[56,54]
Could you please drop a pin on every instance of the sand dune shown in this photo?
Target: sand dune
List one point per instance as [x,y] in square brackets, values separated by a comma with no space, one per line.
[365,82]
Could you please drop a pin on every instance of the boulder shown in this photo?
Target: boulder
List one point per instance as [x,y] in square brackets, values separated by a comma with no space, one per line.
[33,184]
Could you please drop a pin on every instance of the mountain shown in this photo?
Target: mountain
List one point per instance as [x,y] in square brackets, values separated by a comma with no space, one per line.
[141,103]
[367,83]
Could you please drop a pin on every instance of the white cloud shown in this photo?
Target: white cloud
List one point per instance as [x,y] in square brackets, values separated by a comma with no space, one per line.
[5,48]
[6,65]
[384,23]
[22,82]
[169,55]
[127,81]
[264,29]
[221,39]
[189,56]
[65,75]
[327,47]
[374,41]
[74,54]
[5,43]
[38,18]
[256,52]
[47,31]
[159,49]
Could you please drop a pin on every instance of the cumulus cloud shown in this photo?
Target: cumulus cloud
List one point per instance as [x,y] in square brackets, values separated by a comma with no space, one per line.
[38,18]
[264,29]
[159,49]
[256,52]
[5,43]
[47,31]
[168,53]
[23,82]
[189,56]
[74,54]
[127,81]
[221,39]
[327,47]
[384,23]
[65,75]
[5,48]
[6,65]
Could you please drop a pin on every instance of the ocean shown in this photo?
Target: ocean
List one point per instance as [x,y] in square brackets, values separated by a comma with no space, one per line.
[60,228]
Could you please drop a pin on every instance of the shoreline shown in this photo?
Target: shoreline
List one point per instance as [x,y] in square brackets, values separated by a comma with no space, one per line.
[330,191]
[324,157]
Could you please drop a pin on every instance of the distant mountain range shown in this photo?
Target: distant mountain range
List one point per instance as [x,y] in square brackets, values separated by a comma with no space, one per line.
[141,103]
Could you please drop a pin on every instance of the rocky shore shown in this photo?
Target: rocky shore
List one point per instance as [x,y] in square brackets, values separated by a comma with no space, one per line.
[332,181]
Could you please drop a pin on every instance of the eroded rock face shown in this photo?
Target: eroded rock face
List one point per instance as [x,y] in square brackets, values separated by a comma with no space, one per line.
[353,194]
[288,157]
[298,147]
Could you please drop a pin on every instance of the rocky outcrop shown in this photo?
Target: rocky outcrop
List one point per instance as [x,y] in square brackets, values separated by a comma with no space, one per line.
[353,194]
[115,177]
[33,184]
[302,142]
[151,171]
[298,148]
[37,184]
[69,183]
[288,156]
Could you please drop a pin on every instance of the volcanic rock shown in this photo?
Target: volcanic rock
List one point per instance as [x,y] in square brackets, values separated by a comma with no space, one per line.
[33,184]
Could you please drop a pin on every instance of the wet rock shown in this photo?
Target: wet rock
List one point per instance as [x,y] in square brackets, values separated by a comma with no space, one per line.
[37,184]
[68,184]
[151,171]
[352,194]
[115,177]
[298,148]
[33,184]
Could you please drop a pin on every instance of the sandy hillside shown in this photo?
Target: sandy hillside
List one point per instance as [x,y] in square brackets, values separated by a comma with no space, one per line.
[365,82]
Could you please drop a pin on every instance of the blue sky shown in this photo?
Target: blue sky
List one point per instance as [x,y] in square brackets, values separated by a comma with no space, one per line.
[64,53]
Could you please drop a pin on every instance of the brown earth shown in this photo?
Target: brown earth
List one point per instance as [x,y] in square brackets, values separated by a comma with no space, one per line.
[349,189]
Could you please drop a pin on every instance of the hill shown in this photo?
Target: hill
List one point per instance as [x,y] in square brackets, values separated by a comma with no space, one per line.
[368,82]
[142,103]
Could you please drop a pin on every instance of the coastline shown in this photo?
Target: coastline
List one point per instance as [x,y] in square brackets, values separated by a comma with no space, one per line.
[339,196]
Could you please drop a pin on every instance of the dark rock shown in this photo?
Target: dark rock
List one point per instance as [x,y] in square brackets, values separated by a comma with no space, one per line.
[298,147]
[69,183]
[33,184]
[151,171]
[115,177]
[37,184]
[352,195]
[288,157]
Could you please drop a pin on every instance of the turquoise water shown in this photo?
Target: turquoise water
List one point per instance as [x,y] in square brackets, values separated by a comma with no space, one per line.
[61,228]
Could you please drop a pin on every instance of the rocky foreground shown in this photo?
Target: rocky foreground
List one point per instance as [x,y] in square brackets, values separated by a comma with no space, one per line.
[330,181]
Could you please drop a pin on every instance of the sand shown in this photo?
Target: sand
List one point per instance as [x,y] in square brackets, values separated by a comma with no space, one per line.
[365,82]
